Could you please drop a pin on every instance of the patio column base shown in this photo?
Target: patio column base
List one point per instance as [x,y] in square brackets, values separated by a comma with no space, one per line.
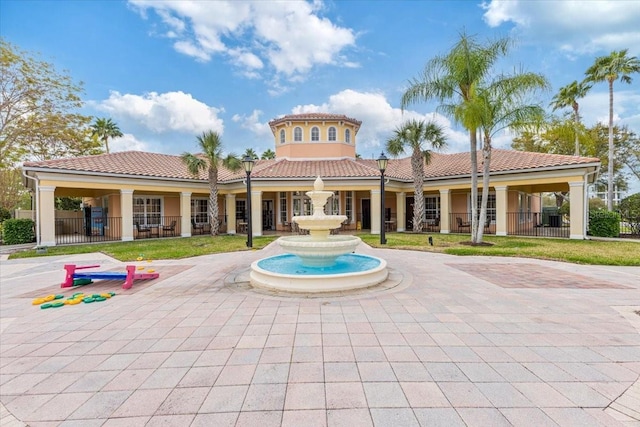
[501,233]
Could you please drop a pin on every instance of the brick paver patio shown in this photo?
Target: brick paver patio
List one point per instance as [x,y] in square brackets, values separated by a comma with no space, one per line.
[475,341]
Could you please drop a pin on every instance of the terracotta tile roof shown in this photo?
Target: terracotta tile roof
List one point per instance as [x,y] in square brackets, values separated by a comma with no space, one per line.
[153,165]
[313,116]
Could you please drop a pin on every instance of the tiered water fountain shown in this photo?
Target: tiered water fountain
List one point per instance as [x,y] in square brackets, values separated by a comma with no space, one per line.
[318,262]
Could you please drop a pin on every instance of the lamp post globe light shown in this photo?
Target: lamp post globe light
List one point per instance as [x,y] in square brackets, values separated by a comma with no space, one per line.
[382,166]
[247,163]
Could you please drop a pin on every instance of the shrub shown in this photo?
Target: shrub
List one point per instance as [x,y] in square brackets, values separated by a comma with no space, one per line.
[629,209]
[604,224]
[17,231]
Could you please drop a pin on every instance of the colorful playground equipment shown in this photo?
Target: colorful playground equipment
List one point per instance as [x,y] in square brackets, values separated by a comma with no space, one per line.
[129,276]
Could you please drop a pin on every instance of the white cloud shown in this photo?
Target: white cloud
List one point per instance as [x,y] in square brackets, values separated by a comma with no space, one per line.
[128,142]
[252,123]
[290,36]
[583,27]
[170,111]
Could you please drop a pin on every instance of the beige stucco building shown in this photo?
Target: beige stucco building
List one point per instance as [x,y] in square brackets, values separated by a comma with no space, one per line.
[139,194]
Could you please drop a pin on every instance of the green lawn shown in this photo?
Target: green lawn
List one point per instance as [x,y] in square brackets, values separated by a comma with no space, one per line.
[576,251]
[158,248]
[594,252]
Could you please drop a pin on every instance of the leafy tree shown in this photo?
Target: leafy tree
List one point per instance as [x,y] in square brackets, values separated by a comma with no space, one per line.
[13,194]
[269,154]
[251,153]
[210,159]
[38,107]
[104,129]
[503,104]
[628,151]
[68,203]
[568,96]
[454,77]
[412,136]
[615,66]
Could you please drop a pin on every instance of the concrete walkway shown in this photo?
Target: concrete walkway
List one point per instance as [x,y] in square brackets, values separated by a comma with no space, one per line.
[477,341]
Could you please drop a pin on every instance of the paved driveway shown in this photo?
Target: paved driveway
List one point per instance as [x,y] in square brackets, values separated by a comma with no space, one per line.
[458,341]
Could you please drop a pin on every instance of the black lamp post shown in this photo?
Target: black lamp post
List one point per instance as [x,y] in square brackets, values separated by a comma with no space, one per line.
[382,165]
[247,163]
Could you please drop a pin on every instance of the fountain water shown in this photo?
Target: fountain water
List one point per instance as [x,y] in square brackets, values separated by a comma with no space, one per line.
[318,262]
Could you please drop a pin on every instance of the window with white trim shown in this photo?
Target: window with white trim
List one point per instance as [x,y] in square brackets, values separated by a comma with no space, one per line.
[282,136]
[491,205]
[297,134]
[347,136]
[315,134]
[331,134]
[348,205]
[524,207]
[147,210]
[301,203]
[200,210]
[431,207]
[283,207]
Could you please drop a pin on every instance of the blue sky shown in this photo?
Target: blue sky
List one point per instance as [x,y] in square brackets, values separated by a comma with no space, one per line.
[166,71]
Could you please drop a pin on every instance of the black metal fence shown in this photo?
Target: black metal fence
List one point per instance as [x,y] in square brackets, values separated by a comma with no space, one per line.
[461,223]
[537,224]
[87,230]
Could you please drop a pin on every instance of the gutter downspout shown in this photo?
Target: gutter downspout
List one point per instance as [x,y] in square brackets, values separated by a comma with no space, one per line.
[37,197]
[586,199]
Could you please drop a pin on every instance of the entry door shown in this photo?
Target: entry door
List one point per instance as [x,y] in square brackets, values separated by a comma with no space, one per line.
[267,215]
[408,209]
[366,214]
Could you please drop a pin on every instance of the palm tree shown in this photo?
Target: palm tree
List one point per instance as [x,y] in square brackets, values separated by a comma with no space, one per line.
[105,129]
[611,68]
[210,159]
[269,154]
[412,136]
[503,104]
[251,153]
[568,96]
[454,77]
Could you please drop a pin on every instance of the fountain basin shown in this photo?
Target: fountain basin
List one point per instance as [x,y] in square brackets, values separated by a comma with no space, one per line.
[286,273]
[319,253]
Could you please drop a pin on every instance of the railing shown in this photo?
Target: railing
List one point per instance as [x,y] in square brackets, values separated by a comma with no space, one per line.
[87,230]
[531,224]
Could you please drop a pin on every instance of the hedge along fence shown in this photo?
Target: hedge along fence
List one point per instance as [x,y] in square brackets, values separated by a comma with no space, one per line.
[604,223]
[17,231]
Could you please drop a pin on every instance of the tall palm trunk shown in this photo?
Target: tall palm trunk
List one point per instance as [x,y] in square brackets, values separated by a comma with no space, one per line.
[486,167]
[610,168]
[576,122]
[213,198]
[417,166]
[473,142]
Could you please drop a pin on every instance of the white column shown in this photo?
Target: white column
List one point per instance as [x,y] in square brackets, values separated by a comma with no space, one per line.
[501,210]
[445,209]
[126,212]
[256,213]
[375,212]
[47,215]
[185,214]
[401,215]
[230,209]
[577,216]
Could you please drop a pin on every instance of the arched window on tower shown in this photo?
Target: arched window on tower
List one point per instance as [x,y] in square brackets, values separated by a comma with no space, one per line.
[297,134]
[282,136]
[347,136]
[332,134]
[315,134]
